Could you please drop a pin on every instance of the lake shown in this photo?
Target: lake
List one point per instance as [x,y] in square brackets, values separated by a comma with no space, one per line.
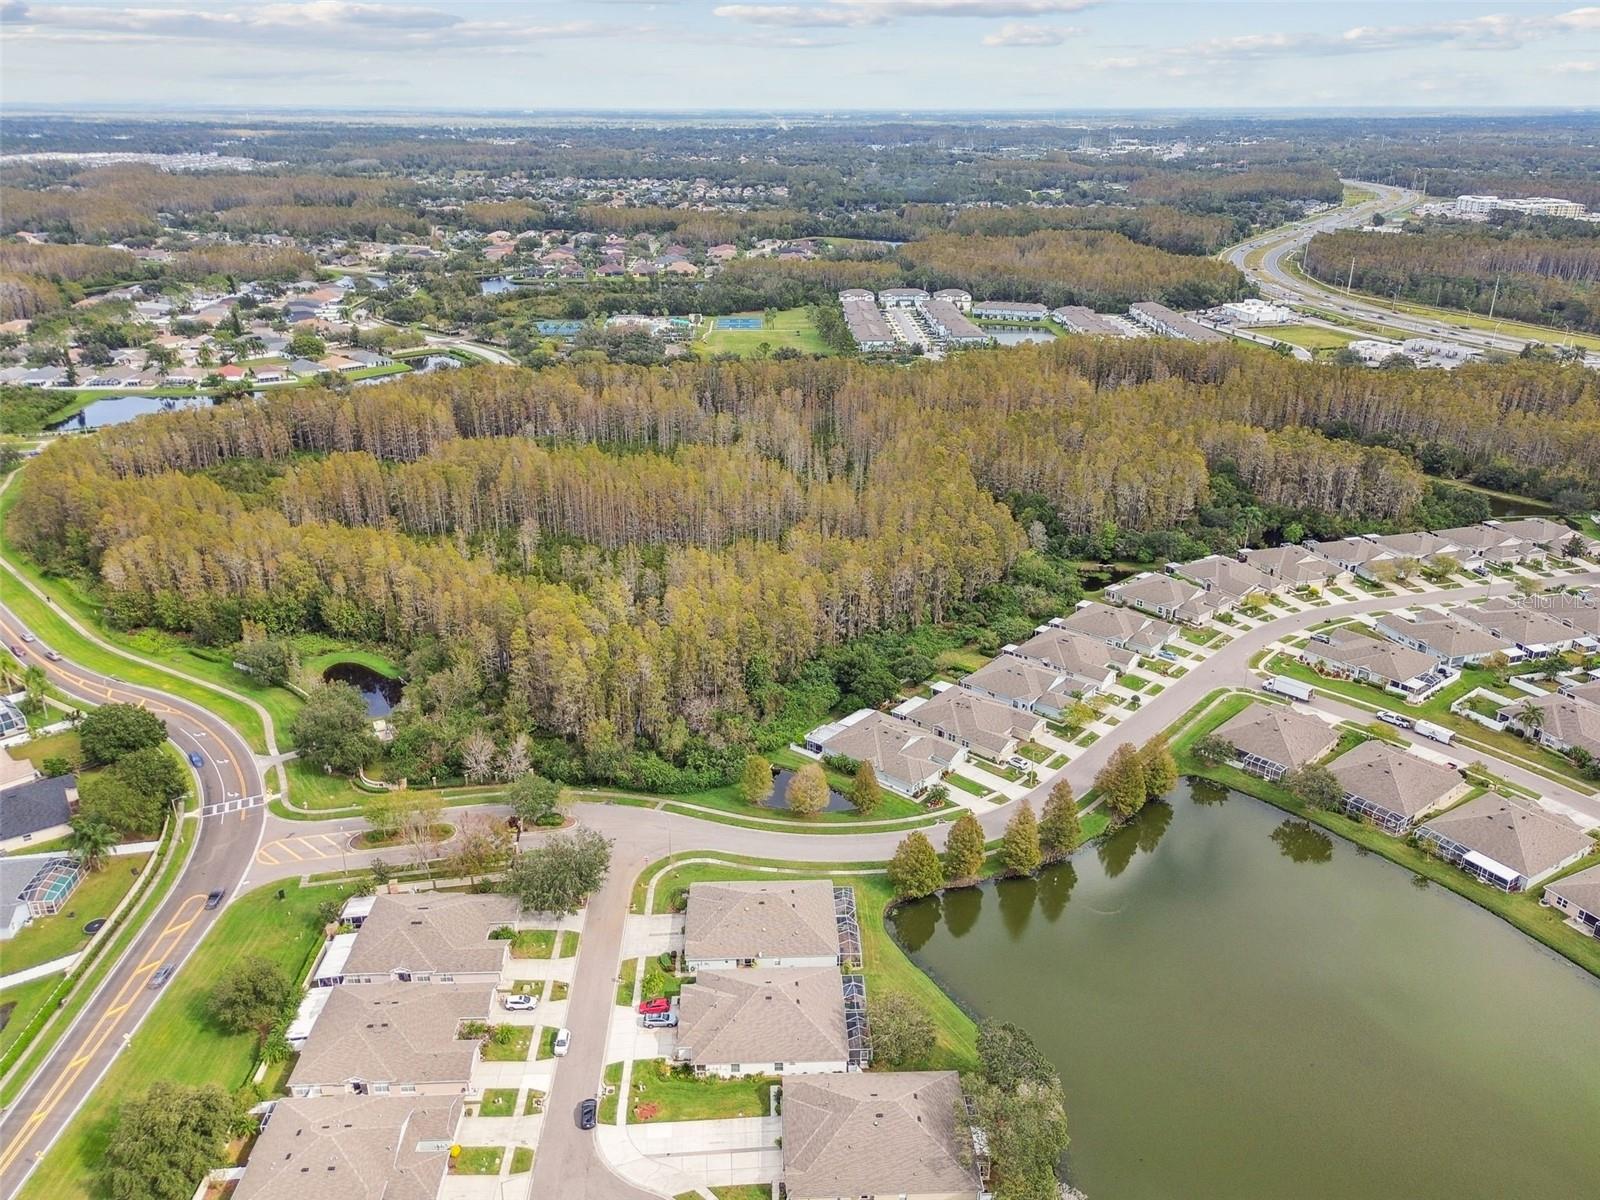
[497,286]
[379,691]
[1019,336]
[114,410]
[1243,1007]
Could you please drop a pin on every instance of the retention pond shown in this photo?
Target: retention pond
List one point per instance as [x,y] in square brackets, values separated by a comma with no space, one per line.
[1244,1007]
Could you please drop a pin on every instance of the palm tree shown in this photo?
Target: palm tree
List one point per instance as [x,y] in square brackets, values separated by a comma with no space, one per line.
[1531,716]
[91,841]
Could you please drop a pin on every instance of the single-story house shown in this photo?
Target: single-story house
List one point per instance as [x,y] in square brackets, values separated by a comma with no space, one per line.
[1489,545]
[975,721]
[1025,685]
[888,1134]
[1358,556]
[1295,566]
[1527,628]
[1389,665]
[1126,628]
[1550,536]
[37,810]
[1565,722]
[907,759]
[788,924]
[432,937]
[1451,639]
[34,885]
[1507,843]
[1578,897]
[1165,596]
[766,1021]
[1581,613]
[1227,578]
[393,1038]
[1272,740]
[1393,788]
[354,1147]
[11,719]
[1089,663]
[1422,547]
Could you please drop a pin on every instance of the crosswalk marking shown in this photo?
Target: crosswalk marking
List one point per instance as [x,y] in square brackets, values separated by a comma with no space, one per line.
[233,804]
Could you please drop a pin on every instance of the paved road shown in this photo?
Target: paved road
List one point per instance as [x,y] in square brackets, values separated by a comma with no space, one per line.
[1276,283]
[222,856]
[266,847]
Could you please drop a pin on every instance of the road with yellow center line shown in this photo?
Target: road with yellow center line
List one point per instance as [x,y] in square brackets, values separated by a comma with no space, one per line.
[223,854]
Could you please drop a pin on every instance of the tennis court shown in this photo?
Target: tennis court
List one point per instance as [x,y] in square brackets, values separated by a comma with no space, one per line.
[738,322]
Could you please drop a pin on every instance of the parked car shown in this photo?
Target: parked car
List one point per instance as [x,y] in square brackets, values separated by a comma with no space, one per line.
[662,1020]
[658,1004]
[195,760]
[1020,763]
[519,1002]
[588,1111]
[215,898]
[563,1043]
[1394,718]
[163,973]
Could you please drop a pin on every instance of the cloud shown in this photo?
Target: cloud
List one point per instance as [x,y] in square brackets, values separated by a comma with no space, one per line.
[1015,33]
[1497,31]
[1578,68]
[852,14]
[372,26]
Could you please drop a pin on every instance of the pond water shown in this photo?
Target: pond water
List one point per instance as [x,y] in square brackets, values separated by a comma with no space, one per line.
[379,691]
[1243,1007]
[496,286]
[1019,336]
[837,802]
[114,410]
[1102,575]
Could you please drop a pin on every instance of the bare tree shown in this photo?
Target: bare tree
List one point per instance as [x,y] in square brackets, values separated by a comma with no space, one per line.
[516,758]
[477,757]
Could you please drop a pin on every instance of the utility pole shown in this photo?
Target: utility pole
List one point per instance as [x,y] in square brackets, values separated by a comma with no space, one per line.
[1495,297]
[1350,282]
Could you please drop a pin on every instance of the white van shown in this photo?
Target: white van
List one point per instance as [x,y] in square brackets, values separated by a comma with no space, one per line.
[563,1042]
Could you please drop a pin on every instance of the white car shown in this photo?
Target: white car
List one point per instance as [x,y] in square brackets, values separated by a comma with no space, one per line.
[563,1042]
[517,1002]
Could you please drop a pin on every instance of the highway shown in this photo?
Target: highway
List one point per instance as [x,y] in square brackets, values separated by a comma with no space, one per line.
[252,847]
[1275,281]
[221,858]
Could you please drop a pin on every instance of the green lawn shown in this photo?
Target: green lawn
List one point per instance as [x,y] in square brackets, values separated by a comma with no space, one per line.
[970,786]
[612,1077]
[569,944]
[178,1040]
[533,943]
[680,1096]
[57,745]
[1033,752]
[547,1043]
[478,1160]
[515,1050]
[498,1102]
[790,327]
[886,966]
[1321,342]
[46,938]
[534,1103]
[743,1191]
[521,1160]
[19,1005]
[625,977]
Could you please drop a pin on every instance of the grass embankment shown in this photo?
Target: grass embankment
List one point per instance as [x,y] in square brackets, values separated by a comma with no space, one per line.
[1321,342]
[789,327]
[178,1041]
[1522,910]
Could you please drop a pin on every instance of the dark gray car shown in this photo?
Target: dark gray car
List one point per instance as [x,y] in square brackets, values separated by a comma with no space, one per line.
[587,1113]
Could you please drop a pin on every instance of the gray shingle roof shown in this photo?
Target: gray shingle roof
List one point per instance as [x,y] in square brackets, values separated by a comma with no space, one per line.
[988,724]
[1515,833]
[761,920]
[393,1032]
[26,808]
[1394,778]
[768,1014]
[1279,735]
[1581,889]
[352,1148]
[438,932]
[875,1133]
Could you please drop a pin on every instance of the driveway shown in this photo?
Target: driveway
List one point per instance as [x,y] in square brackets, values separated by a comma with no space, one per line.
[670,1157]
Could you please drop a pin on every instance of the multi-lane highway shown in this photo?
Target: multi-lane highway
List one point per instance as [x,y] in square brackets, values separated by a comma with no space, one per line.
[221,859]
[1263,260]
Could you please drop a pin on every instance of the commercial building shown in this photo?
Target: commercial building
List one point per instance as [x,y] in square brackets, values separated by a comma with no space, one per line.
[1578,898]
[1393,788]
[974,721]
[878,1134]
[1257,312]
[1479,207]
[765,1021]
[432,937]
[908,760]
[393,1038]
[1160,319]
[789,924]
[1507,843]
[352,1148]
[1271,740]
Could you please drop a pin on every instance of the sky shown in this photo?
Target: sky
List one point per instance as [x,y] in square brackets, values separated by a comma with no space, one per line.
[810,55]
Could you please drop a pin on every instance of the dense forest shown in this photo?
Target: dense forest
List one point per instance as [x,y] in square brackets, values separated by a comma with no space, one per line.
[1545,271]
[651,563]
